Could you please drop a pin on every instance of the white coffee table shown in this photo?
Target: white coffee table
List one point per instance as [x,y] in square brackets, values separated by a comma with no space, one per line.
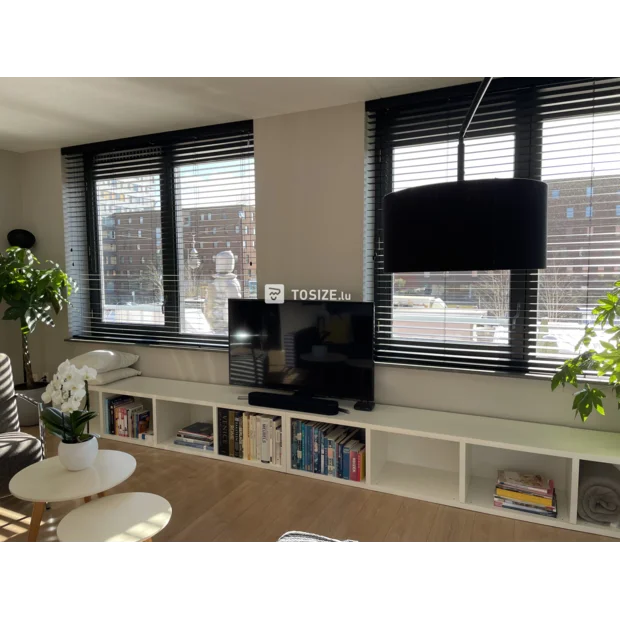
[124,517]
[49,481]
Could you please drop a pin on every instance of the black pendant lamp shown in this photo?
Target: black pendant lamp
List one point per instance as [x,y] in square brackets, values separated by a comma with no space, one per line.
[466,225]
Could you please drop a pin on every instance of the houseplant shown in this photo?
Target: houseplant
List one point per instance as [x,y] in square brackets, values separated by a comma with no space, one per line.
[67,419]
[32,294]
[598,354]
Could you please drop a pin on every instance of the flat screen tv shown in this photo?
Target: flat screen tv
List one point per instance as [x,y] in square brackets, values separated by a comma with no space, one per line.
[315,348]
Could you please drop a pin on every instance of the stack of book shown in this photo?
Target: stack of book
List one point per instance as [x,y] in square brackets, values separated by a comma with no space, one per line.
[249,436]
[328,449]
[531,493]
[198,435]
[127,417]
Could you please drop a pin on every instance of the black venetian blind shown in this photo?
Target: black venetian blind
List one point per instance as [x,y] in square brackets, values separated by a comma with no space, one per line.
[145,219]
[565,132]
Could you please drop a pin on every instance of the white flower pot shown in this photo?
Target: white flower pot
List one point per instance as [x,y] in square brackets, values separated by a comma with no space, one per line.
[77,456]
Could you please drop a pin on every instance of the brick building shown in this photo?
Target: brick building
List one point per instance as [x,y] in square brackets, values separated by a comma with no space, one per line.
[131,243]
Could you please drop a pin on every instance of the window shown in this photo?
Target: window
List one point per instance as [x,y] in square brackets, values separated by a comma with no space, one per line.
[617,210]
[178,176]
[237,229]
[519,321]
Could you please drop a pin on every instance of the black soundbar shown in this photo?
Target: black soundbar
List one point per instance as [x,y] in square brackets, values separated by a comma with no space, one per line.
[322,406]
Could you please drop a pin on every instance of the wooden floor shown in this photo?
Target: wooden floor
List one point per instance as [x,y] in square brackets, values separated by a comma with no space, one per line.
[216,501]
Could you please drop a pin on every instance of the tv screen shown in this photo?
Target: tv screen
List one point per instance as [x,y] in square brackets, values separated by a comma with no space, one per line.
[314,347]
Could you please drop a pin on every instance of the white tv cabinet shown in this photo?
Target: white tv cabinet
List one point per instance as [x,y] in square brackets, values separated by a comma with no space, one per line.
[446,458]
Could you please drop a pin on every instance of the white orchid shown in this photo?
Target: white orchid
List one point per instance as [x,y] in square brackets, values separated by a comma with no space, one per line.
[68,387]
[68,393]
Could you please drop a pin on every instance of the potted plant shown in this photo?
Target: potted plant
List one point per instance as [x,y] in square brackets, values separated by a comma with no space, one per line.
[67,419]
[32,294]
[599,355]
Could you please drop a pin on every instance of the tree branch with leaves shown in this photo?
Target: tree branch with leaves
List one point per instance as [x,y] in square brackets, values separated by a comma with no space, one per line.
[602,358]
[31,294]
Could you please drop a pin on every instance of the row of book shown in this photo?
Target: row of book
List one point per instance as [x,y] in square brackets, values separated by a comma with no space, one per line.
[250,436]
[328,449]
[127,417]
[530,493]
[198,436]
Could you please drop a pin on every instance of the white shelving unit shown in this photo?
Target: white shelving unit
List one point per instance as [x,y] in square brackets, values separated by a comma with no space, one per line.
[441,457]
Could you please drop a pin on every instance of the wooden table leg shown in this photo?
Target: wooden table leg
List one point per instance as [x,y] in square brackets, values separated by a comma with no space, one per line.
[148,540]
[102,494]
[87,499]
[35,521]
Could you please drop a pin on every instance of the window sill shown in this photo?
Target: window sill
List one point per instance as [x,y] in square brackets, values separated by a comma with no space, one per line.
[153,345]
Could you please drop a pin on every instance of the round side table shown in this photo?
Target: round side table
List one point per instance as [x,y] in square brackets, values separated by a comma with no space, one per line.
[125,517]
[48,481]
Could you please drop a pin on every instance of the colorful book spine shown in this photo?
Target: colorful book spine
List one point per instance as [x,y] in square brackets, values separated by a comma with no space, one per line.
[264,434]
[231,433]
[525,497]
[294,444]
[223,431]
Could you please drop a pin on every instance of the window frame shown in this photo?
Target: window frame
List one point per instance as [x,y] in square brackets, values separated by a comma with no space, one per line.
[523,289]
[169,334]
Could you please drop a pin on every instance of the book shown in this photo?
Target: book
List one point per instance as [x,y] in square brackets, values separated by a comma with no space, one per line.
[264,436]
[197,430]
[236,451]
[129,410]
[502,501]
[223,431]
[194,442]
[361,464]
[231,433]
[112,403]
[143,422]
[524,497]
[246,434]
[540,513]
[349,435]
[294,444]
[535,484]
[198,446]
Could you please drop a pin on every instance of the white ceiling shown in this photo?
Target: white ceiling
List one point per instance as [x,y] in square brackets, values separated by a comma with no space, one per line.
[43,113]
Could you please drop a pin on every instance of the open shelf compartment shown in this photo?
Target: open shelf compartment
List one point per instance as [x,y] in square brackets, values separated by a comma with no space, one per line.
[172,417]
[106,417]
[337,452]
[415,466]
[600,470]
[251,437]
[480,467]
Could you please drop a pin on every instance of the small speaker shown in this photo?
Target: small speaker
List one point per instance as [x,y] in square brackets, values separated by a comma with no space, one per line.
[21,238]
[321,406]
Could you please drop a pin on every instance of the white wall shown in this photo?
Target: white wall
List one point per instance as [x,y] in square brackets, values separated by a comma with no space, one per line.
[309,184]
[10,218]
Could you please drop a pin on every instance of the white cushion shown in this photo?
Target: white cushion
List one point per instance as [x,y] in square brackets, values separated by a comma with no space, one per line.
[104,360]
[114,375]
